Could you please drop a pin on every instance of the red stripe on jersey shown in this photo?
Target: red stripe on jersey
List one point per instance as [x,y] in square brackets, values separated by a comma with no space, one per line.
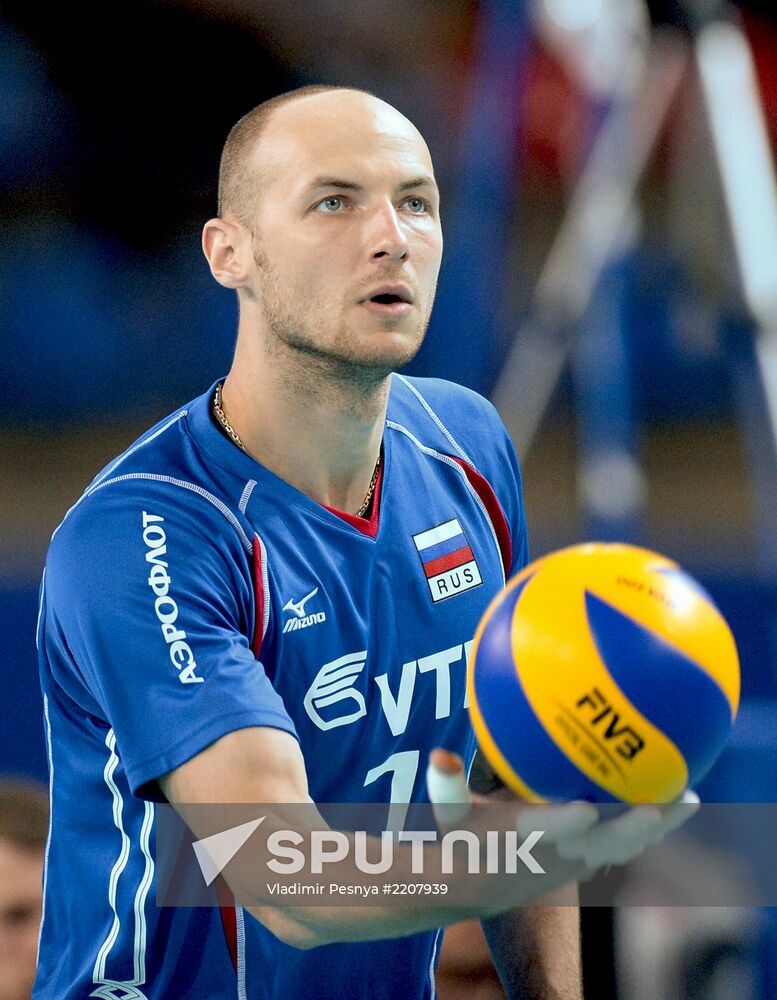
[256,645]
[228,918]
[451,561]
[486,493]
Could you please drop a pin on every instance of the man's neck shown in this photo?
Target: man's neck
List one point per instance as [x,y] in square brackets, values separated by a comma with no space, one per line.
[307,422]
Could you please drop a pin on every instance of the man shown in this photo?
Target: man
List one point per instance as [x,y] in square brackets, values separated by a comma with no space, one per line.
[23,826]
[268,598]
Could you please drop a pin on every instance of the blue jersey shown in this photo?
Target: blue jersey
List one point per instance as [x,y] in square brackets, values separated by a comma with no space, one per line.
[191,592]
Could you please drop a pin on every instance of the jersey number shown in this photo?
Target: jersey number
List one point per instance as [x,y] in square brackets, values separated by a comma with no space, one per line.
[403,767]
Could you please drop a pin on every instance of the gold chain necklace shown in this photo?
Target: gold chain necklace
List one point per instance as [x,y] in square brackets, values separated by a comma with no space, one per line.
[370,490]
[223,419]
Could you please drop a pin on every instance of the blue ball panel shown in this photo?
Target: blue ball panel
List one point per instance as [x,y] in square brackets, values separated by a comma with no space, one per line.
[654,676]
[510,719]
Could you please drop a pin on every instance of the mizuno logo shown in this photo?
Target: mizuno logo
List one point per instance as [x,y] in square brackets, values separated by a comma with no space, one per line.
[298,607]
[301,620]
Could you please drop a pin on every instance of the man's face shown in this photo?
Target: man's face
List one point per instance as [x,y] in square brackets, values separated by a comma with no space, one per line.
[347,240]
[20,906]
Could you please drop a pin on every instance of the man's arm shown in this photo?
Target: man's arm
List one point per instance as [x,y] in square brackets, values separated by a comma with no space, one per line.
[536,949]
[263,765]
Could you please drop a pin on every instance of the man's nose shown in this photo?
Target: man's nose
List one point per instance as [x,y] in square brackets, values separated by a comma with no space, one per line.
[387,237]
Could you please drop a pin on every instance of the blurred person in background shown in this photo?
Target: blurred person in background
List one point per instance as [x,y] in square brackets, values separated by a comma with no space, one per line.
[24,818]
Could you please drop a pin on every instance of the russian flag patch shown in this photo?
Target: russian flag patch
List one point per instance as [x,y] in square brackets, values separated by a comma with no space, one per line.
[449,563]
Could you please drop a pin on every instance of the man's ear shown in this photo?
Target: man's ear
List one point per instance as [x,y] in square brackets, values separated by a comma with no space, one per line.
[225,245]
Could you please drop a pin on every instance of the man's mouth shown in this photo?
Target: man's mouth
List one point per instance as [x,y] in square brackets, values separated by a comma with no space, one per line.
[388,306]
[389,303]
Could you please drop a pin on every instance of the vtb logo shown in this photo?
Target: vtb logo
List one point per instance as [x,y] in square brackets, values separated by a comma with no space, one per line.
[606,719]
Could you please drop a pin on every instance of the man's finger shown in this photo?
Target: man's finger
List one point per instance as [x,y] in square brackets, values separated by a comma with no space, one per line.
[616,841]
[677,813]
[446,783]
[570,819]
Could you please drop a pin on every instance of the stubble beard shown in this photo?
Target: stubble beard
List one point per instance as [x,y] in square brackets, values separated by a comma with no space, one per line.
[313,359]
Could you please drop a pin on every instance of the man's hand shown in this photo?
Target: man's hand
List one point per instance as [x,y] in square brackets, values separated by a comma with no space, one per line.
[536,949]
[573,827]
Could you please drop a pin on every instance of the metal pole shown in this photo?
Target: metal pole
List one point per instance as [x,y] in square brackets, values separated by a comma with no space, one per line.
[741,143]
[464,334]
[600,212]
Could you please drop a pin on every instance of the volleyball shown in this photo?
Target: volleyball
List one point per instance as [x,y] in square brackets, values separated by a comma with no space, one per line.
[602,672]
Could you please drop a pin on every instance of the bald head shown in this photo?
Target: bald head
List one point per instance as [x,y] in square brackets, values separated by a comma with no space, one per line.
[266,139]
[327,196]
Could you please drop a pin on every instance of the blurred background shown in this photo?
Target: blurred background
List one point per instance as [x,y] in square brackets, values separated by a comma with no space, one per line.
[610,282]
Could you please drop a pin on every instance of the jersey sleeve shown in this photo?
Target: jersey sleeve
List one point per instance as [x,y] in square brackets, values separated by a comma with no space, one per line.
[149,597]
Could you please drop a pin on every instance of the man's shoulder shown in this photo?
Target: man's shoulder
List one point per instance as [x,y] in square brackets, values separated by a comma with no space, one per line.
[448,398]
[160,478]
[450,420]
[458,418]
[162,448]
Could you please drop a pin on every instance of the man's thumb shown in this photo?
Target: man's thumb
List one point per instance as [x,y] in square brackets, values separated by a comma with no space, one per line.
[446,783]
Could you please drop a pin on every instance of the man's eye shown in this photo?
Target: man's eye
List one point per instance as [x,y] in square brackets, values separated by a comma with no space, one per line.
[417,205]
[331,204]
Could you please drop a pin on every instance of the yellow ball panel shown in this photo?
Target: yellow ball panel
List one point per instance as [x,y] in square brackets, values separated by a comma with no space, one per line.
[630,579]
[559,666]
